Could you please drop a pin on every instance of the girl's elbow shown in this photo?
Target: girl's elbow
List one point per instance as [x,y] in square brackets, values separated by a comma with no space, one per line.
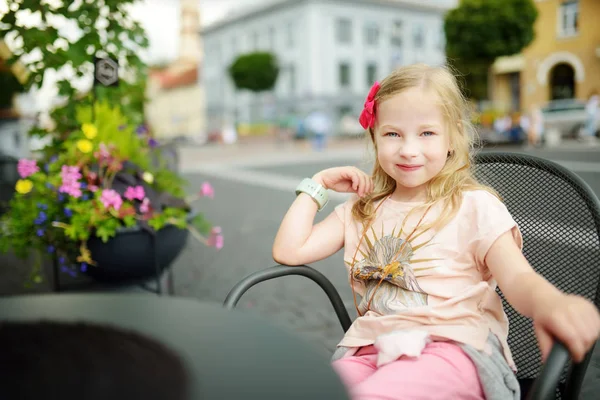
[284,256]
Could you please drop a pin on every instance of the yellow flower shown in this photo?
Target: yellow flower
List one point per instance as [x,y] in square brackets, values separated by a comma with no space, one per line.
[89,130]
[148,177]
[24,186]
[85,146]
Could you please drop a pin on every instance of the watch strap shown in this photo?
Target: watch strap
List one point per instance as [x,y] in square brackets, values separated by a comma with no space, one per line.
[315,190]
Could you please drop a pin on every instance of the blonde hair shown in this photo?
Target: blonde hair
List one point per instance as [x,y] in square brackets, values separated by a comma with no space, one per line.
[456,176]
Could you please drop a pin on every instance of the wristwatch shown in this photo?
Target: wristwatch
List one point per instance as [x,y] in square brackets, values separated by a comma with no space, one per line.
[316,191]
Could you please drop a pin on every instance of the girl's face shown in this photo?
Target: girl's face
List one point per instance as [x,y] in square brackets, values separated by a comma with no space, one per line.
[412,140]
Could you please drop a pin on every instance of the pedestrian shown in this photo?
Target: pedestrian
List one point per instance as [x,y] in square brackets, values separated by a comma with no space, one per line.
[319,124]
[424,244]
[536,127]
[591,111]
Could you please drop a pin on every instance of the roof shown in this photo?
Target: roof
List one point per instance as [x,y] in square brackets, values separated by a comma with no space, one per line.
[171,79]
[274,5]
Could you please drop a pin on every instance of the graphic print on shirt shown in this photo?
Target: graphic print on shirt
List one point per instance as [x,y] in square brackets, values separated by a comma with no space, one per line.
[391,257]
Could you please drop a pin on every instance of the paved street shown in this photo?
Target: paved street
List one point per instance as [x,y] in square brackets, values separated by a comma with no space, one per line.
[254,186]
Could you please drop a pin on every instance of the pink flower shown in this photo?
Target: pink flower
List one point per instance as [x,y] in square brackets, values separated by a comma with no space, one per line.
[70,176]
[216,238]
[145,206]
[135,192]
[27,167]
[367,116]
[93,188]
[110,198]
[207,190]
[103,154]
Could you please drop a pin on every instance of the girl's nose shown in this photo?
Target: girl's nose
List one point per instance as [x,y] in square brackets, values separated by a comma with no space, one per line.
[410,148]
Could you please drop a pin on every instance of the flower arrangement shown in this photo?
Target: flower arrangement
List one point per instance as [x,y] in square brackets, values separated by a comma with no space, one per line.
[101,178]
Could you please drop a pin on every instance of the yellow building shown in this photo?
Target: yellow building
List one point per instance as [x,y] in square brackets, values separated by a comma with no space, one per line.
[563,61]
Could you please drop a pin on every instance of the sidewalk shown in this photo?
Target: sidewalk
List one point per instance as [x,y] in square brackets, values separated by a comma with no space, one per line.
[266,150]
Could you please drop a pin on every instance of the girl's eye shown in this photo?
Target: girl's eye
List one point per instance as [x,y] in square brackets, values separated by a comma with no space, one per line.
[391,134]
[428,133]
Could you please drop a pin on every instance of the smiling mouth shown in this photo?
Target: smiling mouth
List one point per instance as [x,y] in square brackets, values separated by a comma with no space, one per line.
[405,167]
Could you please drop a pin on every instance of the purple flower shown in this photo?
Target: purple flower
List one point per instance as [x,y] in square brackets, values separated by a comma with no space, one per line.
[40,232]
[61,260]
[152,143]
[50,249]
[140,130]
[83,267]
[42,206]
[41,218]
[68,212]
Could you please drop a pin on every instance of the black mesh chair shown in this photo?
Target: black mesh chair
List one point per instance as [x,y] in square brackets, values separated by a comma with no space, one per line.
[559,216]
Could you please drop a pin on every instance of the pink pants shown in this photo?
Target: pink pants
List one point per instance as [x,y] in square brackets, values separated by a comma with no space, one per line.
[443,371]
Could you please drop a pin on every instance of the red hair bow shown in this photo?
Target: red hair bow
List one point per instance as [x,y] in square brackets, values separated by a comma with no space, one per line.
[367,117]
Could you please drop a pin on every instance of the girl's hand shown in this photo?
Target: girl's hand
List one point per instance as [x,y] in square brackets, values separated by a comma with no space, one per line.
[345,180]
[571,319]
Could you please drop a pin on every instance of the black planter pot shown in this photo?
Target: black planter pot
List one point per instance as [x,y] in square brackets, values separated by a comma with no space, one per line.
[8,179]
[135,255]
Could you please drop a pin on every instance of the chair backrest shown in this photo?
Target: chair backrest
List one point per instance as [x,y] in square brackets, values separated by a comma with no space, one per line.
[559,217]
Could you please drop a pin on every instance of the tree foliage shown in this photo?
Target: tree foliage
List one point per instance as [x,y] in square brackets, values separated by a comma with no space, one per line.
[256,72]
[69,34]
[10,86]
[479,31]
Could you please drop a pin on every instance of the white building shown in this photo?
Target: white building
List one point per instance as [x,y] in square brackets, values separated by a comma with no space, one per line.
[329,51]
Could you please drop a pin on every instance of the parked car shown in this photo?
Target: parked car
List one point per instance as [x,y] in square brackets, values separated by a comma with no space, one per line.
[568,116]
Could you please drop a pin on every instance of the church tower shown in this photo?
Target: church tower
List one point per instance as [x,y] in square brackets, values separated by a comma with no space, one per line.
[190,48]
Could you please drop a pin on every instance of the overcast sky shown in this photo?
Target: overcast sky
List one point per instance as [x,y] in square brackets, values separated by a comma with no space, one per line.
[161,20]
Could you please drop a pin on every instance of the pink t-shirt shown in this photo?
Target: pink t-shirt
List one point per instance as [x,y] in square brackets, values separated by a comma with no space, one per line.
[437,282]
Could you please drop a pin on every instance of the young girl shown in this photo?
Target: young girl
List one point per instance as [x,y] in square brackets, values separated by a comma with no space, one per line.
[425,246]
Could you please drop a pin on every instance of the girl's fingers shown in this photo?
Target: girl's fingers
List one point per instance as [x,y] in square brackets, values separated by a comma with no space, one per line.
[363,185]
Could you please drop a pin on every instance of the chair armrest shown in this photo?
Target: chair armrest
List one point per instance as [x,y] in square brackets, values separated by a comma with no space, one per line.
[281,270]
[544,387]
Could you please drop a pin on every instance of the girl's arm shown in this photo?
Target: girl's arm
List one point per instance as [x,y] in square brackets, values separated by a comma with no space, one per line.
[573,320]
[298,241]
[524,288]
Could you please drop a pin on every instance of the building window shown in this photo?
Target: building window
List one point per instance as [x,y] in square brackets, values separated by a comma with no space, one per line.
[441,40]
[290,35]
[343,30]
[292,76]
[371,74]
[372,34]
[568,18]
[396,38]
[344,75]
[271,38]
[418,36]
